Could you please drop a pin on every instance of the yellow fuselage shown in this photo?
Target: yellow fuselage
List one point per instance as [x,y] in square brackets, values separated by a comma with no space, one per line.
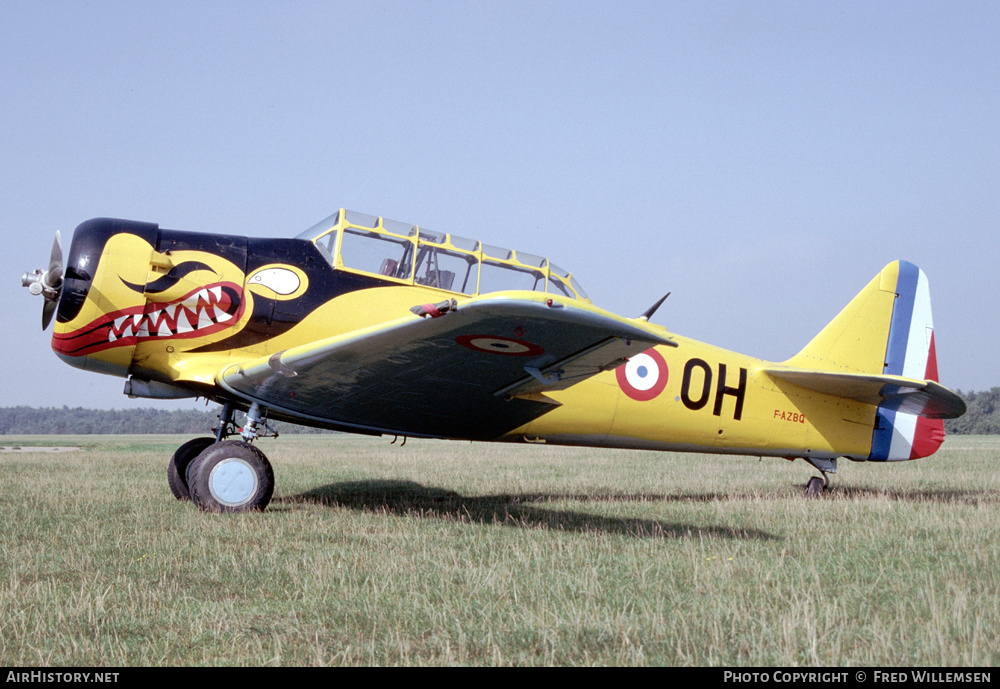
[173,311]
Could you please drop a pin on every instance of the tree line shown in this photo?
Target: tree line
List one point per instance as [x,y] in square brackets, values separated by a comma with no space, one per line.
[982,418]
[982,415]
[79,420]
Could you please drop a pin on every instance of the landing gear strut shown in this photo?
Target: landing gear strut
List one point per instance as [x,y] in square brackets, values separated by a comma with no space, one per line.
[221,475]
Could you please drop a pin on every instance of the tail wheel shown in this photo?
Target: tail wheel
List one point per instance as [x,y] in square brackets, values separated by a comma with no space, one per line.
[177,468]
[814,488]
[231,476]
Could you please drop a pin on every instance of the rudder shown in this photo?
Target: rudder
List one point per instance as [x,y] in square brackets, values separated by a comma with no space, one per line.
[910,352]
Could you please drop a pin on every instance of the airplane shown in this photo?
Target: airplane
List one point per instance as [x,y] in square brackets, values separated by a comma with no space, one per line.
[373,326]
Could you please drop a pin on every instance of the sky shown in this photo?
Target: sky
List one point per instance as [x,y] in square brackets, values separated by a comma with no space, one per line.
[761,161]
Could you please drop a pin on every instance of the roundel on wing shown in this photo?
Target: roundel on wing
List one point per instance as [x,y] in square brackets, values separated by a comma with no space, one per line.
[644,376]
[495,344]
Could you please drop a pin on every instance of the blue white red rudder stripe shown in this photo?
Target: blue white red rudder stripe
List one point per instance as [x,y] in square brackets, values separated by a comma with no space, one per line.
[910,353]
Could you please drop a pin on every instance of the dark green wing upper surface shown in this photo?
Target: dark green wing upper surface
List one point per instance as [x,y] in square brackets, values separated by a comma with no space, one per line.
[465,374]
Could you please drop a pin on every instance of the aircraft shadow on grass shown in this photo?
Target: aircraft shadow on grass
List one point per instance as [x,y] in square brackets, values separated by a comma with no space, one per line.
[408,498]
[941,495]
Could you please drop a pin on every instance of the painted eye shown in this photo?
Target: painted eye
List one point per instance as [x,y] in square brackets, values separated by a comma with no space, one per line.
[278,280]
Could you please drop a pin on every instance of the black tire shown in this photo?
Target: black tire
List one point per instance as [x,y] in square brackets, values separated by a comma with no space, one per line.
[814,488]
[177,468]
[231,476]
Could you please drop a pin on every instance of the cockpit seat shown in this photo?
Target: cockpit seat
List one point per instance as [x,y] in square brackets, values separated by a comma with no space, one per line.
[389,267]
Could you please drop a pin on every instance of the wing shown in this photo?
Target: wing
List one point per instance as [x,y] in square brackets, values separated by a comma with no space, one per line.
[471,373]
[921,397]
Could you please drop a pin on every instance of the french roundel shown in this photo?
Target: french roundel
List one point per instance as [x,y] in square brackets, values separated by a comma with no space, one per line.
[495,344]
[644,376]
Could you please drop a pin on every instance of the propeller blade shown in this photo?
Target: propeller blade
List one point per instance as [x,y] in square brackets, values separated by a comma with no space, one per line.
[48,310]
[53,277]
[56,255]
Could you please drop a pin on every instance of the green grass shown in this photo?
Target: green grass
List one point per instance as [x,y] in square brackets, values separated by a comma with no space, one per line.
[456,553]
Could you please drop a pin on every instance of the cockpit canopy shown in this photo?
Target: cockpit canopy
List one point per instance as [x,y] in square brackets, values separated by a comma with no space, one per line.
[414,255]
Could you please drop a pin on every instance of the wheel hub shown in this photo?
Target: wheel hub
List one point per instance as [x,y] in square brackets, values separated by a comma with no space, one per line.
[233,482]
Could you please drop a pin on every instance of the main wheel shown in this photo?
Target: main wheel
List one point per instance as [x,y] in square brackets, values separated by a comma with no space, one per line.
[231,476]
[177,468]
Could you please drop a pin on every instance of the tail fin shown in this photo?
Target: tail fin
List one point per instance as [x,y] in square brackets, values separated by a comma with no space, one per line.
[880,350]
[858,339]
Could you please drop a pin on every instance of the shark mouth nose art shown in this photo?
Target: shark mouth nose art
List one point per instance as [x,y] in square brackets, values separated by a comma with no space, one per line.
[201,312]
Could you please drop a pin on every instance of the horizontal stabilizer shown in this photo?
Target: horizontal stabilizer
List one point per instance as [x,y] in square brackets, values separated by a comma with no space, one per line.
[920,397]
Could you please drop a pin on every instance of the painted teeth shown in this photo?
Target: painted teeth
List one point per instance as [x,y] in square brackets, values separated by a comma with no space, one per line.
[198,311]
[202,296]
[183,323]
[203,319]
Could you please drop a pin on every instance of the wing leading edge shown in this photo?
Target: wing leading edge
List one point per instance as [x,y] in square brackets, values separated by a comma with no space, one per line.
[466,374]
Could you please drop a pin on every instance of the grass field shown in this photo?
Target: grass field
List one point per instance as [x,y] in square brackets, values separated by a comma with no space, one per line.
[456,553]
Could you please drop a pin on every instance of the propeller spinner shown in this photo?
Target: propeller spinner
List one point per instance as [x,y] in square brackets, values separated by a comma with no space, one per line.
[47,283]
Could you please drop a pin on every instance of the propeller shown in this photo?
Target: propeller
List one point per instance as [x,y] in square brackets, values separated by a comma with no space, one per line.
[47,283]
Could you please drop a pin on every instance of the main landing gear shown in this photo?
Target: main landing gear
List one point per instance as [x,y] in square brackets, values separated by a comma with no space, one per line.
[220,475]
